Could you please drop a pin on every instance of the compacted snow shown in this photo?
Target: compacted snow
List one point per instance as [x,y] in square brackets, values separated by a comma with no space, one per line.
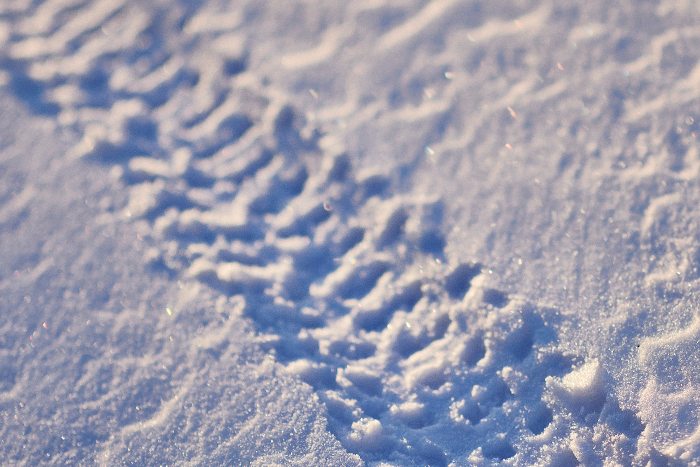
[382,232]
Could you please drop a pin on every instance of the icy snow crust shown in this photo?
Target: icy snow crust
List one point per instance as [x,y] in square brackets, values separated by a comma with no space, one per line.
[383,232]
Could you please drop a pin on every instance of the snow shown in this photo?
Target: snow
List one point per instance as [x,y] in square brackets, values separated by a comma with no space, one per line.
[384,232]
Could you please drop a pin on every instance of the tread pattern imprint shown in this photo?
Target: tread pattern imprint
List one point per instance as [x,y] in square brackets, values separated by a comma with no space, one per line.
[417,359]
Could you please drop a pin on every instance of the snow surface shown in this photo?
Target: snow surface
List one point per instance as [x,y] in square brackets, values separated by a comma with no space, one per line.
[381,232]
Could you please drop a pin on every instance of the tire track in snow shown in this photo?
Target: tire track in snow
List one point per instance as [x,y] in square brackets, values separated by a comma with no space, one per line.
[416,360]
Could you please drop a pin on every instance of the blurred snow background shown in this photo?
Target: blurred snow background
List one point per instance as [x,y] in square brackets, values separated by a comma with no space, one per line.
[334,233]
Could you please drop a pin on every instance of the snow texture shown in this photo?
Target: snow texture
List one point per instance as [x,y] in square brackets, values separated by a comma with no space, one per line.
[384,232]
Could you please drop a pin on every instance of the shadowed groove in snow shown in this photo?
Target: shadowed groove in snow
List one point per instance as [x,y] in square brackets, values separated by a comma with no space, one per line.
[457,283]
